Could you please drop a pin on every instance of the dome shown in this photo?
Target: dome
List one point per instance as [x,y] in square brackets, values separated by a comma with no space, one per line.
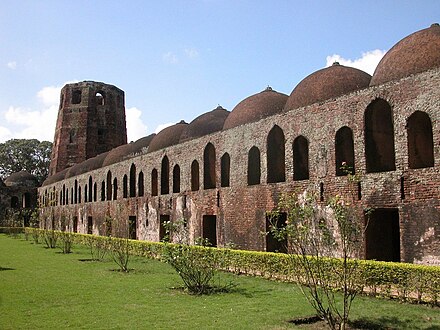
[56,177]
[142,144]
[256,107]
[167,137]
[416,53]
[22,178]
[205,124]
[327,83]
[87,165]
[118,154]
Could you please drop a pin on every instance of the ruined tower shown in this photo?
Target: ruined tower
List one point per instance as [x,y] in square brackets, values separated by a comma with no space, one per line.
[91,120]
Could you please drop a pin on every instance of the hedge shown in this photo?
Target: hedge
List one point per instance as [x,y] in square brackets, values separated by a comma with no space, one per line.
[411,282]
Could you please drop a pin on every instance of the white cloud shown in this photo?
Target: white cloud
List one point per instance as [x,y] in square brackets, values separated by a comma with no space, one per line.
[191,53]
[170,57]
[49,95]
[162,126]
[12,65]
[136,129]
[5,134]
[367,62]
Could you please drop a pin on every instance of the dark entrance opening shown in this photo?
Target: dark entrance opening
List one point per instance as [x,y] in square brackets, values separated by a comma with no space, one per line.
[382,235]
[209,229]
[132,227]
[273,244]
[89,225]
[162,231]
[75,224]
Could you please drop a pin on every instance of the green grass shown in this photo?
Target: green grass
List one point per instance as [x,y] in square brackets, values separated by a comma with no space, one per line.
[44,289]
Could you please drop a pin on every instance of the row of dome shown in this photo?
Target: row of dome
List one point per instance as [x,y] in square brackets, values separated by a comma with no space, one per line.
[416,53]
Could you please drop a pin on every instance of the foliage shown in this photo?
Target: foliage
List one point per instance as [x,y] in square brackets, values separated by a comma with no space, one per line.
[412,282]
[32,156]
[98,246]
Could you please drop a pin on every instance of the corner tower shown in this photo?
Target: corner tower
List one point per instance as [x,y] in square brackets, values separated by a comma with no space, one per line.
[91,120]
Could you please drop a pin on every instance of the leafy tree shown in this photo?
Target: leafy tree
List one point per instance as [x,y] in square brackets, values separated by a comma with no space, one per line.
[32,156]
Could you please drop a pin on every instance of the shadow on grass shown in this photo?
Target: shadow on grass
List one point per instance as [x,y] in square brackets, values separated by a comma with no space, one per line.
[6,268]
[385,322]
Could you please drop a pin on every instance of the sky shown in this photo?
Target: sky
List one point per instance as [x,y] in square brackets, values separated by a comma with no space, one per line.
[177,59]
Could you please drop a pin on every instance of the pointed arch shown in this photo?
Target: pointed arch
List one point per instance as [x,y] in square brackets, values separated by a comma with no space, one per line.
[176,179]
[344,151]
[141,184]
[125,186]
[254,167]
[209,180]
[420,140]
[115,189]
[165,176]
[379,137]
[109,185]
[195,181]
[276,167]
[300,158]
[133,180]
[154,178]
[225,164]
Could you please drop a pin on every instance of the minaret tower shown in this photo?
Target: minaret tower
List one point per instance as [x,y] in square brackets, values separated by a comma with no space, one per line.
[91,120]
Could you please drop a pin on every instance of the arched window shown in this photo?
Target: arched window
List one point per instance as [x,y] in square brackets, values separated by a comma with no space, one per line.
[254,167]
[209,181]
[344,151]
[379,137]
[154,179]
[99,98]
[109,186]
[76,97]
[276,167]
[115,189]
[79,194]
[103,191]
[225,164]
[141,184]
[165,176]
[67,196]
[420,140]
[176,179]
[71,195]
[195,183]
[300,158]
[132,180]
[76,192]
[90,189]
[125,186]
[64,195]
[85,194]
[95,192]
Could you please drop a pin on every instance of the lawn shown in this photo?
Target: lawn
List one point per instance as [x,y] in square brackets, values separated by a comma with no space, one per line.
[42,288]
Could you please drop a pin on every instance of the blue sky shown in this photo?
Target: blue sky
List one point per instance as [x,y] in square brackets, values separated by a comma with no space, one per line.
[178,59]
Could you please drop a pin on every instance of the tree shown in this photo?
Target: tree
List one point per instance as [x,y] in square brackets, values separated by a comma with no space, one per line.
[32,156]
[323,242]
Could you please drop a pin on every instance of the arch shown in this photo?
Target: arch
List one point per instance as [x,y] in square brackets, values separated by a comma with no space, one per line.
[209,180]
[125,186]
[76,97]
[71,195]
[420,140]
[165,176]
[76,192]
[276,167]
[176,179]
[115,189]
[109,186]
[300,158]
[95,192]
[90,189]
[195,180]
[154,183]
[100,98]
[379,137]
[67,196]
[344,151]
[254,167]
[133,180]
[103,191]
[225,165]
[141,184]
[64,195]
[85,194]
[79,194]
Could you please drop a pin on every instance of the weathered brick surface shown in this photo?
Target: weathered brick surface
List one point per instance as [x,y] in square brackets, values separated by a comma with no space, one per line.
[241,209]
